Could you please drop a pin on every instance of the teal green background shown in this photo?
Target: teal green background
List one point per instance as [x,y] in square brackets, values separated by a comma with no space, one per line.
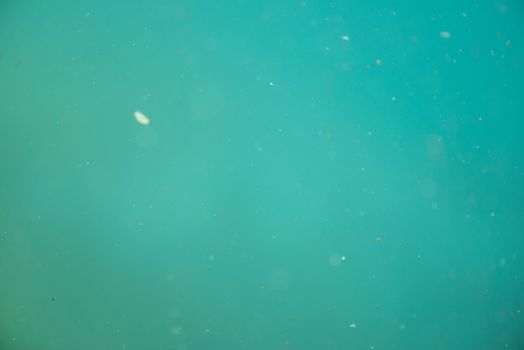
[294,190]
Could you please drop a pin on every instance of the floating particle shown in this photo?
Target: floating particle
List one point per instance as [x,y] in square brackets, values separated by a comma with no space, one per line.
[445,35]
[379,238]
[353,325]
[345,38]
[141,118]
[177,331]
[335,259]
[378,62]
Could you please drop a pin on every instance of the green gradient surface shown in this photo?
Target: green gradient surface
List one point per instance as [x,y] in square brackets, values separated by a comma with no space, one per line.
[316,175]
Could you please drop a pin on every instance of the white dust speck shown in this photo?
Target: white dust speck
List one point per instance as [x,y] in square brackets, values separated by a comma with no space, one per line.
[336,259]
[345,38]
[141,118]
[353,325]
[177,331]
[445,35]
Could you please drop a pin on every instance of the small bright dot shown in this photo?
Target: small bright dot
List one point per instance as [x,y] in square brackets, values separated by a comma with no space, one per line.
[345,38]
[445,35]
[353,325]
[141,118]
[335,260]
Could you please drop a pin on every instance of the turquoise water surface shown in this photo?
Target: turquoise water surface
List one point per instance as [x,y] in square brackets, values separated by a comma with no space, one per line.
[311,175]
